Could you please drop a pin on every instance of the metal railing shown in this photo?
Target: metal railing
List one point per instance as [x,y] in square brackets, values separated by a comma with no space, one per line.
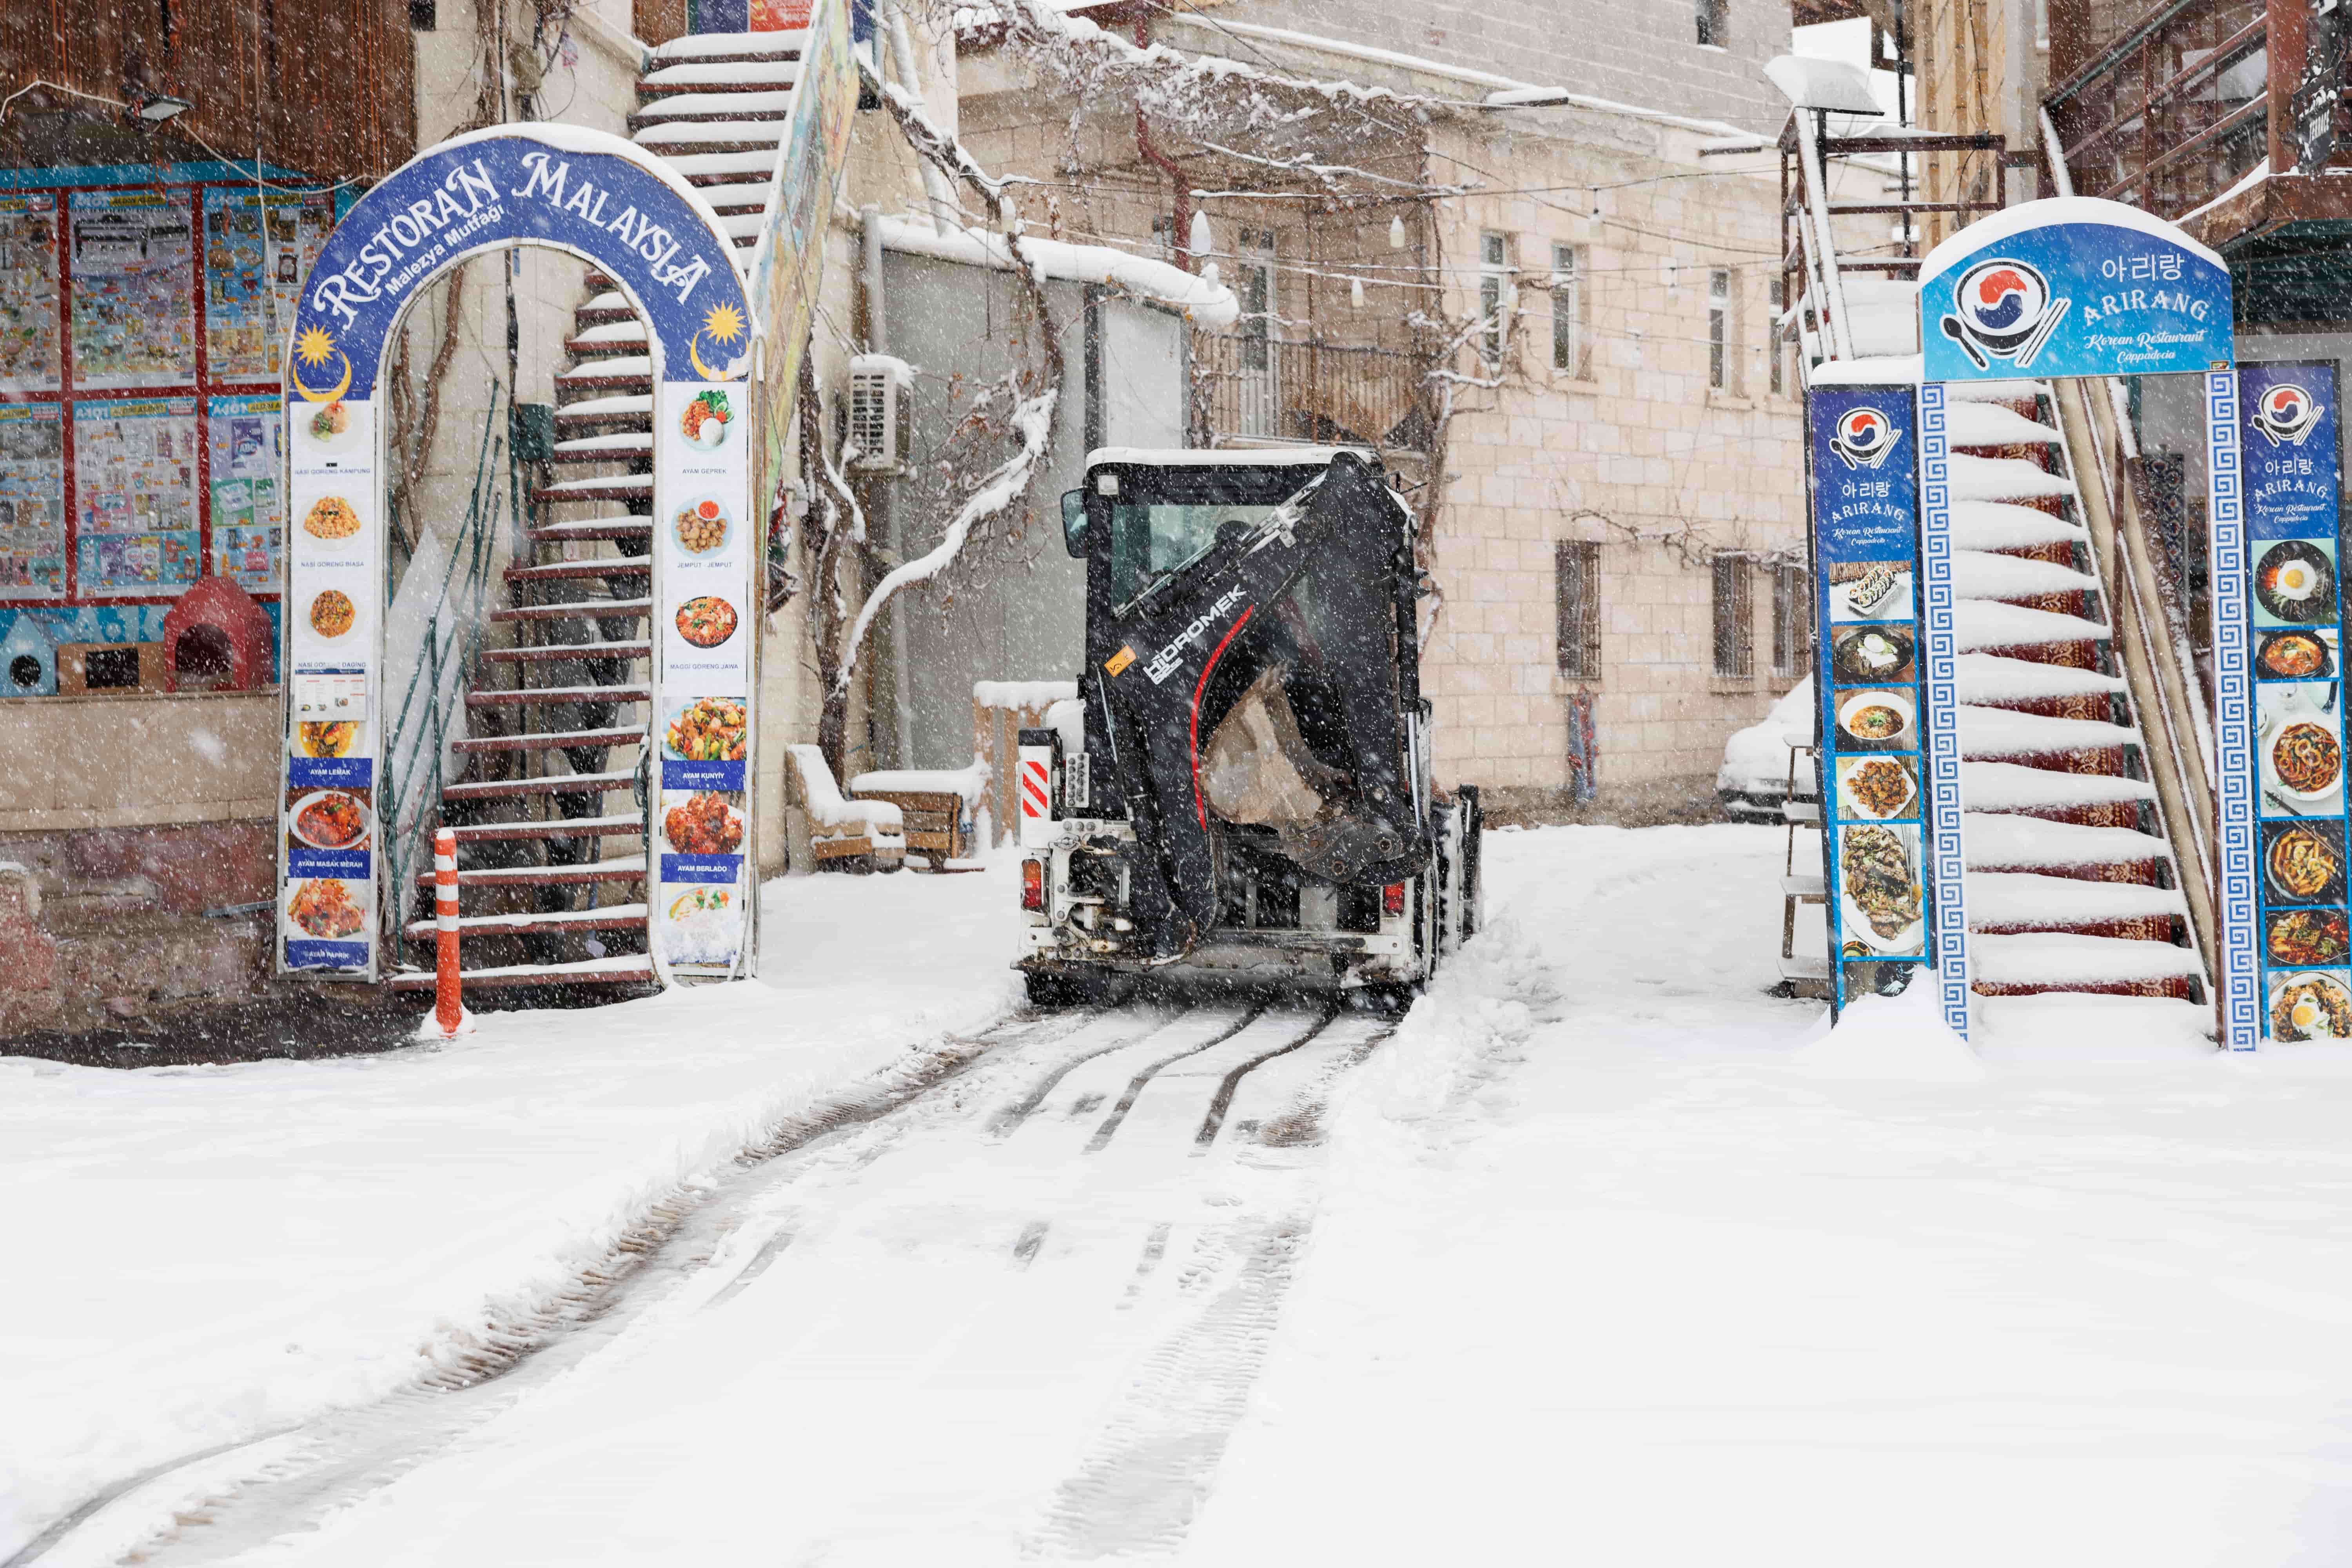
[1265,388]
[441,597]
[2177,105]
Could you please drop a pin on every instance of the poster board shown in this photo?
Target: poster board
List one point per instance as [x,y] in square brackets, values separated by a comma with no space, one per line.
[1865,549]
[600,198]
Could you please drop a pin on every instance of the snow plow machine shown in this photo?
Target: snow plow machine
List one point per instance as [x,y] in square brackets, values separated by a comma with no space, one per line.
[1242,789]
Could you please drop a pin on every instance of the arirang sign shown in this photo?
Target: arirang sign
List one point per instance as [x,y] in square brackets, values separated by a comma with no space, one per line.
[601,199]
[2077,286]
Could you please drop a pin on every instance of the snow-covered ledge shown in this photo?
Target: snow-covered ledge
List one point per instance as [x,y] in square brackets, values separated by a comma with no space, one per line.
[1201,299]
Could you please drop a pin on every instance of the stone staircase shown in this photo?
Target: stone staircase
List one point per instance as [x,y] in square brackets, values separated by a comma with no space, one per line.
[550,814]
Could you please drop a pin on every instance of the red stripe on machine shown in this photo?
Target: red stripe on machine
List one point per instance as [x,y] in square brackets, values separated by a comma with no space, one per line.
[1035,800]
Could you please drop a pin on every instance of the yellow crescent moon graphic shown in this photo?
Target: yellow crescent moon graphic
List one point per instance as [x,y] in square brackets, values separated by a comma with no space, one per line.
[694,356]
[329,396]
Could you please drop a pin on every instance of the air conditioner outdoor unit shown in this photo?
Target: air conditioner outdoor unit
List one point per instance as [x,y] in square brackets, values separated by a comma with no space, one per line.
[879,410]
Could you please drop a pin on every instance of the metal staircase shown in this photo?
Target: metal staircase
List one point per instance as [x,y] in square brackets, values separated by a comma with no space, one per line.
[2074,886]
[549,809]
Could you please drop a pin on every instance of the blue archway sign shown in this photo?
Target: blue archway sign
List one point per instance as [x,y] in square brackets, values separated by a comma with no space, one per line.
[601,199]
[2077,286]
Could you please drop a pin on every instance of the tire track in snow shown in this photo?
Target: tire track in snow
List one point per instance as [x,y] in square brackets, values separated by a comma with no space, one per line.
[338,1454]
[1136,1086]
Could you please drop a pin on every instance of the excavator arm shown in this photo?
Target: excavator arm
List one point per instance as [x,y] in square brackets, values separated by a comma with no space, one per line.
[1271,687]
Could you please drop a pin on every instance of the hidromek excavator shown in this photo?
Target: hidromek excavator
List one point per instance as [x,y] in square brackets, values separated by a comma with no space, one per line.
[1242,787]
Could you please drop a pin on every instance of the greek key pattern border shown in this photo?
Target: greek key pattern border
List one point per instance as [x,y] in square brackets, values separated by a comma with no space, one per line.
[2240,969]
[1949,930]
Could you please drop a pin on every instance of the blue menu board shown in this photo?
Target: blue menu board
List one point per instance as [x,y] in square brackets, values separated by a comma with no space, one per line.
[1872,715]
[2288,433]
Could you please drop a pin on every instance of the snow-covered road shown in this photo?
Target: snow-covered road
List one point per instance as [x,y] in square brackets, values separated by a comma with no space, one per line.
[1025,1309]
[1603,1255]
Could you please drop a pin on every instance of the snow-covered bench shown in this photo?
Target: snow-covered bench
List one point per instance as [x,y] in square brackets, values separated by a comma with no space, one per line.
[937,805]
[872,831]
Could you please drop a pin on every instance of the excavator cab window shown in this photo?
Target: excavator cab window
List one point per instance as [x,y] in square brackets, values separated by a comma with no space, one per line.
[1074,523]
[1163,521]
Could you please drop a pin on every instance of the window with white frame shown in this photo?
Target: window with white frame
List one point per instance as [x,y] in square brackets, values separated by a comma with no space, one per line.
[1567,310]
[1494,296]
[1719,347]
[1792,618]
[1735,617]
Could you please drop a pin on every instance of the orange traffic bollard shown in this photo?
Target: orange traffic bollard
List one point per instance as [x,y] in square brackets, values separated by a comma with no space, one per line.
[448,1006]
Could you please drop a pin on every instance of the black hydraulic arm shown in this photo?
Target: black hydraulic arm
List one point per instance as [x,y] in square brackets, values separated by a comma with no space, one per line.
[1197,639]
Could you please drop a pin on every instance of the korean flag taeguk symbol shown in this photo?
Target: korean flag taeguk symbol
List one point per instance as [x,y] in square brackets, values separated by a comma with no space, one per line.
[2286,414]
[2002,309]
[1864,439]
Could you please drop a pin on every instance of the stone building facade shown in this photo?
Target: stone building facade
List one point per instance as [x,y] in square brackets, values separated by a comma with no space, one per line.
[1618,541]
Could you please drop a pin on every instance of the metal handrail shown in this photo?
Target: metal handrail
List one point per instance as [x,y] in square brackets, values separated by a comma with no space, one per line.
[452,639]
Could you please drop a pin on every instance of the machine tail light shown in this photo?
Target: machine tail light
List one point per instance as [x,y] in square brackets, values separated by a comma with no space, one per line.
[1032,884]
[1392,898]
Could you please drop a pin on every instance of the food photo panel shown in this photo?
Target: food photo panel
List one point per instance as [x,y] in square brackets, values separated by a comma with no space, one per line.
[2309,1005]
[2305,938]
[1871,591]
[1877,718]
[1873,653]
[2296,582]
[1881,891]
[2303,862]
[2298,653]
[2299,749]
[1877,789]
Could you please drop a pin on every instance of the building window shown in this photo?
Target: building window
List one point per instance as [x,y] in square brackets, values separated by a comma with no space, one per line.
[1494,296]
[1792,619]
[1254,263]
[1718,328]
[1576,586]
[1772,339]
[1566,311]
[1713,20]
[1163,236]
[1735,617]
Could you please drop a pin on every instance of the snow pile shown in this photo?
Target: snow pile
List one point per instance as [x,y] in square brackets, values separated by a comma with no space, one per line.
[1994,425]
[1980,575]
[1995,842]
[2064,958]
[1989,677]
[2003,478]
[2013,786]
[2003,525]
[1985,623]
[825,807]
[1023,695]
[1892,1039]
[970,782]
[2003,733]
[1204,302]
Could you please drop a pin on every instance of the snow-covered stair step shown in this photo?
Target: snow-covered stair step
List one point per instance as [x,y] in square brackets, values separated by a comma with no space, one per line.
[1995,391]
[552,740]
[1988,623]
[627,406]
[2021,901]
[623,968]
[613,446]
[1992,681]
[736,48]
[631,826]
[611,337]
[743,226]
[627,651]
[611,916]
[550,784]
[2058,1025]
[1994,425]
[2096,800]
[533,696]
[712,135]
[610,305]
[577,610]
[2003,478]
[598,566]
[627,868]
[621,371]
[1998,842]
[1992,733]
[611,486]
[2058,961]
[1981,574]
[745,103]
[2003,525]
[706,168]
[627,525]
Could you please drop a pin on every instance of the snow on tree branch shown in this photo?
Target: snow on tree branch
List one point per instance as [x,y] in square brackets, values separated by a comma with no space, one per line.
[1033,419]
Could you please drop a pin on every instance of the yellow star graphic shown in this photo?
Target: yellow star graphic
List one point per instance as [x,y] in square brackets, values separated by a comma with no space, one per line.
[314,346]
[724,323]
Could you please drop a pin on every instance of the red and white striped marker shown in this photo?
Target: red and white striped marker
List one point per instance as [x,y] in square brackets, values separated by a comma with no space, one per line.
[449,1005]
[1036,771]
